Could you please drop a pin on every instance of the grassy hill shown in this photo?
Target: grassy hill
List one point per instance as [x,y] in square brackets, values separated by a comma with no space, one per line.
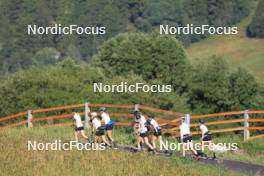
[238,50]
[17,160]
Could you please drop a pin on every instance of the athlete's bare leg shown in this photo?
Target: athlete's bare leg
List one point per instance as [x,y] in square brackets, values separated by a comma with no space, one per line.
[105,141]
[83,134]
[139,141]
[146,141]
[109,135]
[76,136]
[190,143]
[153,141]
[183,149]
[95,139]
[161,141]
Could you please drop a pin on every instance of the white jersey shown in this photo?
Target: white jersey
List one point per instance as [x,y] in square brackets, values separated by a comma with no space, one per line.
[184,130]
[105,118]
[96,123]
[142,122]
[78,120]
[204,129]
[155,124]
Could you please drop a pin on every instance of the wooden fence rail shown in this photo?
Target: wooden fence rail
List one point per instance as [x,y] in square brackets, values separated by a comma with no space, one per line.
[12,116]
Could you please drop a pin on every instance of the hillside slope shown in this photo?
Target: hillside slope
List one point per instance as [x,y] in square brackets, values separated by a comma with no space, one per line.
[238,50]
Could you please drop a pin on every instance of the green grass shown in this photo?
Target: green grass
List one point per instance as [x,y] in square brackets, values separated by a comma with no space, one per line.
[238,50]
[17,160]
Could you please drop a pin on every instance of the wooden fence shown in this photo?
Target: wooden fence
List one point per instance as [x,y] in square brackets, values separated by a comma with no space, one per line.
[246,122]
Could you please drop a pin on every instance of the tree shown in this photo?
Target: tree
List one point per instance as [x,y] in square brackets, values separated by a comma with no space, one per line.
[209,87]
[18,48]
[223,13]
[214,88]
[244,90]
[69,83]
[256,27]
[196,14]
[152,56]
[46,56]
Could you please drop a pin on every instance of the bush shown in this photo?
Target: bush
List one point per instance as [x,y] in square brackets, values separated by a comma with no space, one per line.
[68,83]
[151,56]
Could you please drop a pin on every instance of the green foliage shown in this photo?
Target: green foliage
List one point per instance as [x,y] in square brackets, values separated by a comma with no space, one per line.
[256,27]
[46,87]
[222,13]
[163,12]
[150,55]
[46,56]
[97,13]
[209,87]
[136,8]
[137,57]
[17,48]
[68,83]
[244,90]
[214,89]
[197,12]
[73,53]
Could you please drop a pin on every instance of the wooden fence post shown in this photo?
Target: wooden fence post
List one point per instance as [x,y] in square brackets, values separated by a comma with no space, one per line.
[28,118]
[246,125]
[188,120]
[136,107]
[86,114]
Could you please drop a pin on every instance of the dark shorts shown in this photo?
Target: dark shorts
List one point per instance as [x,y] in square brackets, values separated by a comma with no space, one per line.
[207,137]
[187,138]
[99,132]
[143,134]
[109,127]
[157,133]
[79,128]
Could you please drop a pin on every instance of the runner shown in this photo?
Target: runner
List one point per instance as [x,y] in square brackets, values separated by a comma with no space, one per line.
[108,124]
[78,126]
[157,131]
[143,131]
[186,137]
[206,135]
[98,129]
[137,135]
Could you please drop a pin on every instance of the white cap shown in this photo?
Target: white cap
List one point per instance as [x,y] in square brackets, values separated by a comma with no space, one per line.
[93,114]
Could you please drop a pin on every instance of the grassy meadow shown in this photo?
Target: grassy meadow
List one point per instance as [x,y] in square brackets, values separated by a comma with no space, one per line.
[17,160]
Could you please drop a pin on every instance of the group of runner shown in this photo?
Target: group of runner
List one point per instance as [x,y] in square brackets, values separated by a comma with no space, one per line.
[98,129]
[102,127]
[186,137]
[142,127]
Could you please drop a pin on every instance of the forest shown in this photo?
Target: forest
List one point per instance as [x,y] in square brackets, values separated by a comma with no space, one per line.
[48,70]
[20,51]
